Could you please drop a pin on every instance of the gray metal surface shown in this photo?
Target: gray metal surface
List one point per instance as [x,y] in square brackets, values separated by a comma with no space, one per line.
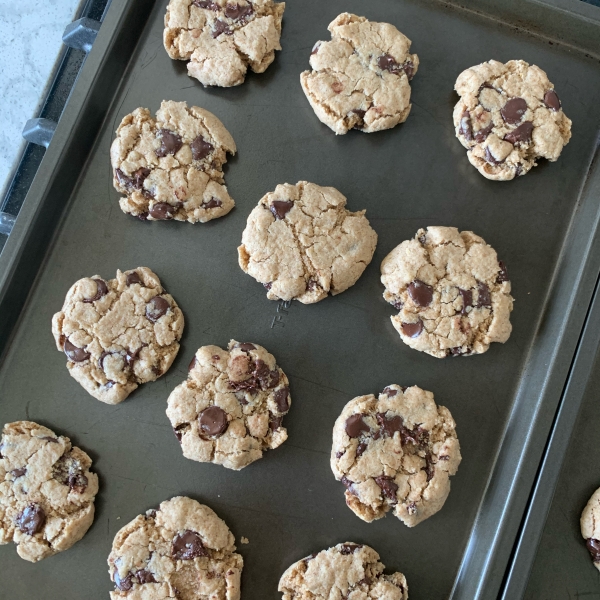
[288,504]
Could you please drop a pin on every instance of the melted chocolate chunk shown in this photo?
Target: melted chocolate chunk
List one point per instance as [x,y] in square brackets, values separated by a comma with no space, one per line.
[355,426]
[133,278]
[260,377]
[386,62]
[489,157]
[144,576]
[420,292]
[412,330]
[162,211]
[388,487]
[236,12]
[187,546]
[101,290]
[359,113]
[213,421]
[192,364]
[201,148]
[74,353]
[593,546]
[512,112]
[360,449]
[502,273]
[156,308]
[347,483]
[170,143]
[551,100]
[221,27]
[206,4]
[136,180]
[142,216]
[520,135]
[465,128]
[483,295]
[349,548]
[391,392]
[68,471]
[212,203]
[178,431]
[339,454]
[429,466]
[124,584]
[481,134]
[131,357]
[409,69]
[467,298]
[280,208]
[281,398]
[18,472]
[31,519]
[246,346]
[274,422]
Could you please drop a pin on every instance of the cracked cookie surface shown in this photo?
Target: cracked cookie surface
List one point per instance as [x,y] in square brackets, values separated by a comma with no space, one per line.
[221,39]
[508,117]
[360,79]
[182,550]
[230,409]
[345,571]
[118,333]
[395,452]
[171,167]
[452,292]
[302,243]
[590,527]
[46,490]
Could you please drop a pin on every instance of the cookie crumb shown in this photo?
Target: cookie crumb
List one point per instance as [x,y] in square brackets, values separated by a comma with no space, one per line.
[245,540]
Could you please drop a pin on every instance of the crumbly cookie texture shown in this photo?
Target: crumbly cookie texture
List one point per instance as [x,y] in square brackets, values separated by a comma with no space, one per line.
[46,490]
[230,409]
[452,292]
[590,527]
[182,551]
[395,452]
[360,79]
[302,243]
[221,39]
[508,117]
[118,334]
[347,570]
[171,167]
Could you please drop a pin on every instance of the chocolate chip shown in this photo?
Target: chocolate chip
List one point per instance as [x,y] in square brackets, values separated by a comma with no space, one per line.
[355,426]
[237,11]
[31,519]
[281,398]
[212,203]
[390,392]
[162,211]
[389,426]
[187,545]
[502,273]
[398,304]
[133,278]
[412,330]
[144,576]
[458,351]
[359,113]
[347,483]
[386,62]
[315,48]
[388,487]
[349,548]
[170,143]
[520,135]
[483,295]
[429,467]
[411,509]
[78,482]
[150,514]
[274,379]
[245,346]
[68,471]
[131,357]
[192,364]
[489,157]
[213,421]
[280,208]
[467,298]
[551,100]
[156,308]
[420,292]
[221,27]
[74,353]
[465,128]
[518,169]
[274,422]
[339,454]
[201,148]
[178,431]
[409,69]
[206,4]
[18,472]
[135,181]
[593,545]
[360,449]
[512,112]
[124,584]
[481,134]
[101,290]
[268,285]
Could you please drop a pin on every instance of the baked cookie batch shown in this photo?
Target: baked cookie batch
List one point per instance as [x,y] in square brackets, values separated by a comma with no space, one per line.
[394,451]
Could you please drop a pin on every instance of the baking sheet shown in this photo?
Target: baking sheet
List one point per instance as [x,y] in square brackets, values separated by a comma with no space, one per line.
[288,504]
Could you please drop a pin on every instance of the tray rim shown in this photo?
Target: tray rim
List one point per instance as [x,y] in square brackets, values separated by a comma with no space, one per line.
[499,516]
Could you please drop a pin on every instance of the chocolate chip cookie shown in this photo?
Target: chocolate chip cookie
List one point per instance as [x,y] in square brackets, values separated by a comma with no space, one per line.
[230,409]
[344,571]
[302,243]
[182,550]
[46,490]
[222,38]
[118,333]
[508,117]
[395,452]
[361,78]
[452,292]
[171,167]
[590,527]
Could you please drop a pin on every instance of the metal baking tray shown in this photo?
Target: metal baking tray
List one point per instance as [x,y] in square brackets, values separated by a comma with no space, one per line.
[288,504]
